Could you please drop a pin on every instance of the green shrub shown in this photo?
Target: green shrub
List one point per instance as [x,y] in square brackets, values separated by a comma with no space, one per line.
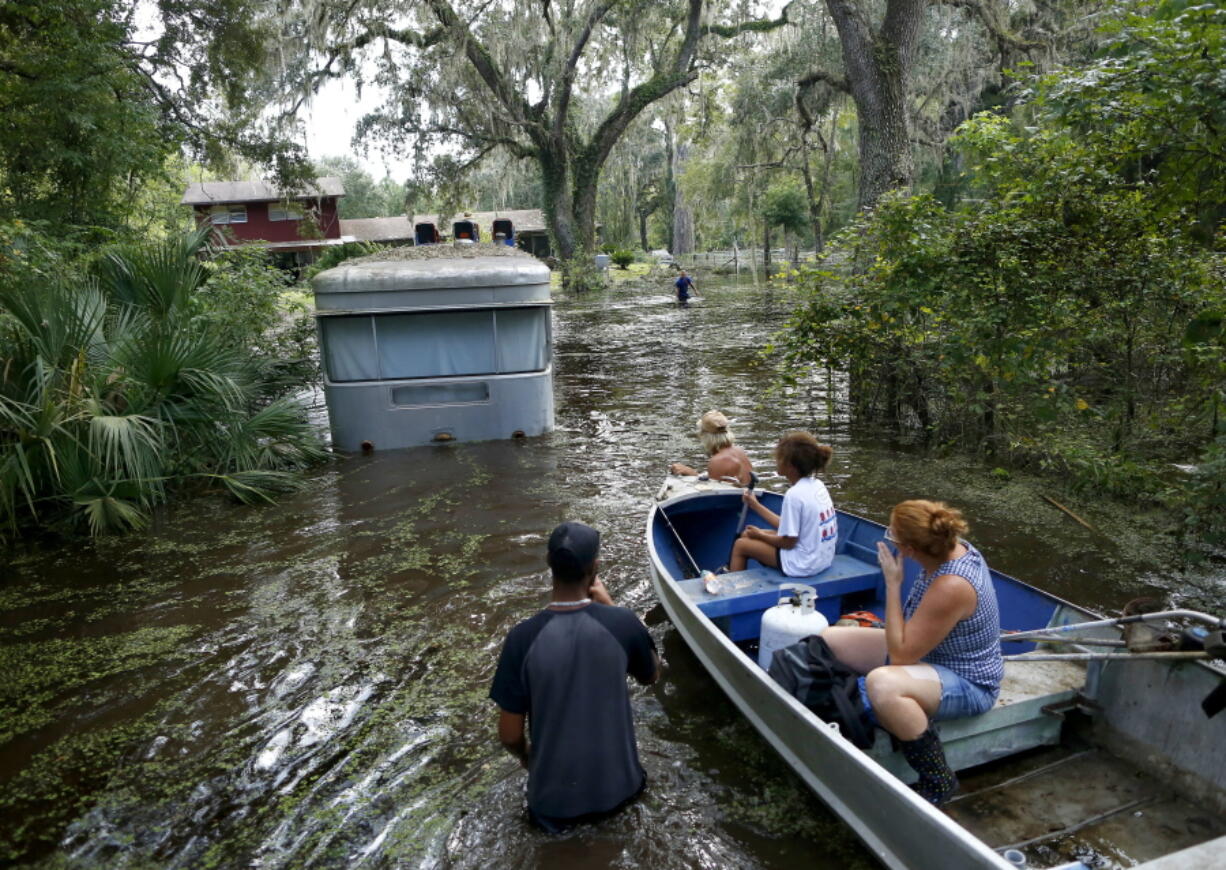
[248,303]
[338,254]
[126,381]
[1045,325]
[622,258]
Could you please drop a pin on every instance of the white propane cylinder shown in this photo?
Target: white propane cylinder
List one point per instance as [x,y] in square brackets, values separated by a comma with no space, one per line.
[793,618]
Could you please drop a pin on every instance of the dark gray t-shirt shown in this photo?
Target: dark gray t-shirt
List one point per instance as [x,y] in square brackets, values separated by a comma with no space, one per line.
[567,672]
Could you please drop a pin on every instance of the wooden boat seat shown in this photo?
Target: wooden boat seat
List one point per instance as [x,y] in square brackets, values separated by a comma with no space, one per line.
[739,613]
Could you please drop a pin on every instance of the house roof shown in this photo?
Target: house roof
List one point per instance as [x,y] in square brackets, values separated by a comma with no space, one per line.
[380,229]
[215,192]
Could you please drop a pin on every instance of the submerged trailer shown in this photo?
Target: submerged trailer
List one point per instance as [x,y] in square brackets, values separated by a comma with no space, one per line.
[422,345]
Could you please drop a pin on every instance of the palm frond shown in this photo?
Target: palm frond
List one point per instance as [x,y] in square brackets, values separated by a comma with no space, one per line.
[106,513]
[257,485]
[159,278]
[127,447]
[275,437]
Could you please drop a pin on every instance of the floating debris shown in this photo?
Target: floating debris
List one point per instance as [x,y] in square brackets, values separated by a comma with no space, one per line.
[441,252]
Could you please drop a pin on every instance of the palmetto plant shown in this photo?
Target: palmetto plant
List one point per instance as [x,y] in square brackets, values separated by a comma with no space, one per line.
[114,389]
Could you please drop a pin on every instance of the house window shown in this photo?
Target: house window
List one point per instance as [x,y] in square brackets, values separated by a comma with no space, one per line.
[228,214]
[436,344]
[284,213]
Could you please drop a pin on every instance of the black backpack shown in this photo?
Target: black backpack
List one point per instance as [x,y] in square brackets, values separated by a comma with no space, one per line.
[809,672]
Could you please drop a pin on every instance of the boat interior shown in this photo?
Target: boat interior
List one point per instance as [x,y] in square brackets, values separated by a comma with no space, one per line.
[1076,762]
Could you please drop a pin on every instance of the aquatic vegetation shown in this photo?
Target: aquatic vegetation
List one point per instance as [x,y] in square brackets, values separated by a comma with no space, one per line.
[331,706]
[41,676]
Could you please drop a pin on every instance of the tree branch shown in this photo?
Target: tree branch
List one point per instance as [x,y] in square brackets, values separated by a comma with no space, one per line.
[837,82]
[598,12]
[483,63]
[728,31]
[988,18]
[677,74]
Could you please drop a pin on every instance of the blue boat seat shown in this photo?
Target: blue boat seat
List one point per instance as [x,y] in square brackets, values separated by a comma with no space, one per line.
[739,613]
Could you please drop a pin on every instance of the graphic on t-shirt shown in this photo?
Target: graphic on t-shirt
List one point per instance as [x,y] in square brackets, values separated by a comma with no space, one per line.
[830,529]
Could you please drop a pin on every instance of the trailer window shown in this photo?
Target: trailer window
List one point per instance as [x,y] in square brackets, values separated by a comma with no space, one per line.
[435,345]
[398,347]
[523,339]
[349,348]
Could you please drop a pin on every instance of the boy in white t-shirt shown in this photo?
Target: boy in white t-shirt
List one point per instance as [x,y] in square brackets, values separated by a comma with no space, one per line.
[807,530]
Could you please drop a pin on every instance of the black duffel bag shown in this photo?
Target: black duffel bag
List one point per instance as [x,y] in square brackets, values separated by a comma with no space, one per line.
[809,672]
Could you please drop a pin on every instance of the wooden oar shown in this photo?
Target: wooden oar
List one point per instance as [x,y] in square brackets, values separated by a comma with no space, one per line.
[1085,641]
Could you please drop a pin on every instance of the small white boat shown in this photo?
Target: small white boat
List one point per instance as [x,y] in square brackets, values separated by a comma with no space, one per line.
[1084,762]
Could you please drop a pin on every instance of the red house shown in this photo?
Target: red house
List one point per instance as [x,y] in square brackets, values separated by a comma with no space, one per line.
[294,225]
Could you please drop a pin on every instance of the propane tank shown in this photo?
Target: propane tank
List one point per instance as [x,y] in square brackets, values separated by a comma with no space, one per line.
[793,618]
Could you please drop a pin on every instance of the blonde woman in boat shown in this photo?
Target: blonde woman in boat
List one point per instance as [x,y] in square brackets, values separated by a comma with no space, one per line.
[725,459]
[939,655]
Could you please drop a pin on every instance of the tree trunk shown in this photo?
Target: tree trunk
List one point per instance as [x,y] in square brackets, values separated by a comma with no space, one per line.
[586,178]
[643,230]
[811,195]
[827,171]
[670,188]
[558,206]
[683,217]
[878,66]
[766,249]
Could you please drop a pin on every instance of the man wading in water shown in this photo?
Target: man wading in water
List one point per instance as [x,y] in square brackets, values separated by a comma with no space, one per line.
[685,285]
[565,671]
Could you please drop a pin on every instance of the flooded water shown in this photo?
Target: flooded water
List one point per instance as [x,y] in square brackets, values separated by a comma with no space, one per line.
[305,684]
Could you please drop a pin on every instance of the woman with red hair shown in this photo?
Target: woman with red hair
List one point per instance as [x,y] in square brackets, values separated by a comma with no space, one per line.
[939,655]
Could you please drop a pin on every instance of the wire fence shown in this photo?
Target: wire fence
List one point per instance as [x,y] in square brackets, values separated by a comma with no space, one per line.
[749,259]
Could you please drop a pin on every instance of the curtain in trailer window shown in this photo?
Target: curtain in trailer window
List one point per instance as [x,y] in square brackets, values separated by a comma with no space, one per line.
[436,345]
[349,344]
[522,345]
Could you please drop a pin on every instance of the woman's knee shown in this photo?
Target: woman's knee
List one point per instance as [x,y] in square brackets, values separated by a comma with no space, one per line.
[886,684]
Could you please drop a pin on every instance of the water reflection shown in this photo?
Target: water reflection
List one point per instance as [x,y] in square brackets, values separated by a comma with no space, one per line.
[305,684]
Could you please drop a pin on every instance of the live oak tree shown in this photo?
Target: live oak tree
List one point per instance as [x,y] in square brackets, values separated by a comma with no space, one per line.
[557,84]
[881,47]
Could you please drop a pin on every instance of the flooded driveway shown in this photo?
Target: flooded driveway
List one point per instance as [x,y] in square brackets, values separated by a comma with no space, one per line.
[305,684]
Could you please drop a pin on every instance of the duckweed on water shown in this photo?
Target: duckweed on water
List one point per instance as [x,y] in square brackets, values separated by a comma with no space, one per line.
[41,676]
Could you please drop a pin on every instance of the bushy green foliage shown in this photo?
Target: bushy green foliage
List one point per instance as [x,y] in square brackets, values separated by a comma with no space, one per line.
[580,275]
[1153,105]
[622,258]
[80,126]
[1071,316]
[784,205]
[338,254]
[251,304]
[123,381]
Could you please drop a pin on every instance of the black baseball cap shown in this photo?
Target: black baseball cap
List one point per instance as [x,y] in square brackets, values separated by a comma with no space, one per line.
[573,547]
